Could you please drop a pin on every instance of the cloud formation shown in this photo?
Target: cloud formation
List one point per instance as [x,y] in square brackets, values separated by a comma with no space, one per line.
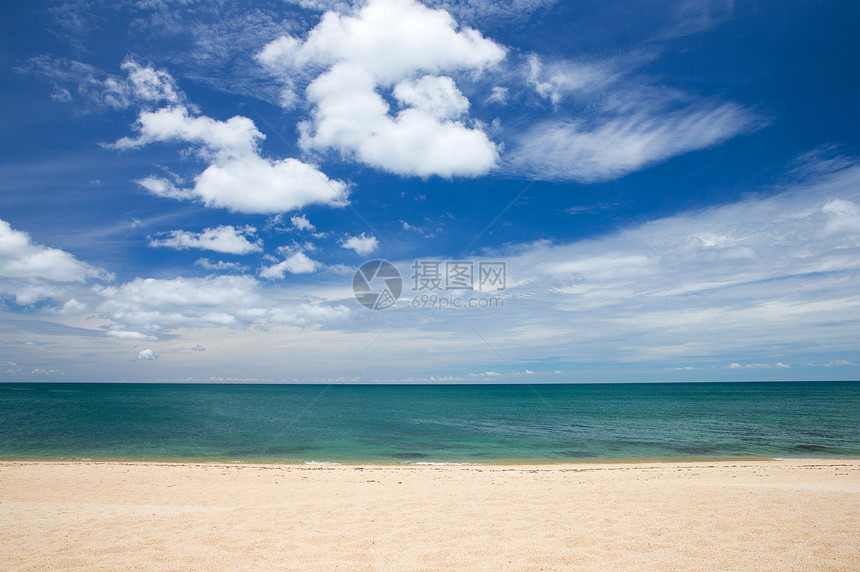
[402,48]
[765,275]
[31,272]
[608,122]
[226,239]
[71,78]
[147,355]
[361,244]
[238,178]
[617,145]
[296,262]
[147,308]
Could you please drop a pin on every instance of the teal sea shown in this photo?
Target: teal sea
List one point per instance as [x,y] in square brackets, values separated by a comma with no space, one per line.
[429,424]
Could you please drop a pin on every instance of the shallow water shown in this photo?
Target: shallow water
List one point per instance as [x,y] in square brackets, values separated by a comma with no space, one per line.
[429,424]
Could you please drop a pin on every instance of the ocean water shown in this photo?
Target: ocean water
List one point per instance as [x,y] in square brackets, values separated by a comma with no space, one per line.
[429,424]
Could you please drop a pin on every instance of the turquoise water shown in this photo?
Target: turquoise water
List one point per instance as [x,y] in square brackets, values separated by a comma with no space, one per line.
[454,423]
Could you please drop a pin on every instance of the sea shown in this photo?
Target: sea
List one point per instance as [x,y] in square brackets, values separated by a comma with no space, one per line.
[429,424]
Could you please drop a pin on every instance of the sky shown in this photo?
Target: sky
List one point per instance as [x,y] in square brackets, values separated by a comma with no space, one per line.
[586,191]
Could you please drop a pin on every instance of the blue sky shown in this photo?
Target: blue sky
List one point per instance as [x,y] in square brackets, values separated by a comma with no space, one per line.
[187,189]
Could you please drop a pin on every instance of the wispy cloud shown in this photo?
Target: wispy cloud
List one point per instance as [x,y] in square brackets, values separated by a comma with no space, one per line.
[760,273]
[98,89]
[220,265]
[611,146]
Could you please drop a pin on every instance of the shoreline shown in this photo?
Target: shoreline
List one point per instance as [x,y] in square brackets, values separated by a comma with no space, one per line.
[740,514]
[420,463]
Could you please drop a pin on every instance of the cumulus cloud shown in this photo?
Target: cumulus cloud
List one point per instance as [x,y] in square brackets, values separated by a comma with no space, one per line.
[434,95]
[31,272]
[147,308]
[296,262]
[226,239]
[238,177]
[385,45]
[147,355]
[361,244]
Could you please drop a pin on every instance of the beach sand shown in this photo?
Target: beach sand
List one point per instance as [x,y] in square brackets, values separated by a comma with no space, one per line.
[739,515]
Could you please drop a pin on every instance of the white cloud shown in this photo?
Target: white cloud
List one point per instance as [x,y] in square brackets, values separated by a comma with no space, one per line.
[219,265]
[618,144]
[758,277]
[301,222]
[30,272]
[129,335]
[236,137]
[437,96]
[472,10]
[498,95]
[149,84]
[843,217]
[361,244]
[226,239]
[295,263]
[384,45]
[147,355]
[838,363]
[142,84]
[562,78]
[238,178]
[608,121]
[146,309]
[72,307]
[779,365]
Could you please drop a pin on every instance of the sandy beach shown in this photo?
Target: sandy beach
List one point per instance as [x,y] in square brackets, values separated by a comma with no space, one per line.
[741,515]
